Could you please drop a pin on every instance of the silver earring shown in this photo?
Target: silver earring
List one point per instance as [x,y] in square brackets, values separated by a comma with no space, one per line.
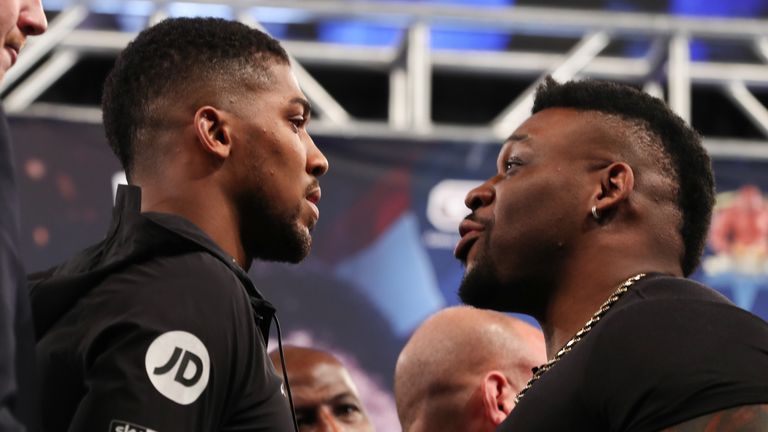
[595,214]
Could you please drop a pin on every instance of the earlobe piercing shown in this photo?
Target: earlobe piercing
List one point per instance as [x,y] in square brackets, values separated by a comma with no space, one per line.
[595,214]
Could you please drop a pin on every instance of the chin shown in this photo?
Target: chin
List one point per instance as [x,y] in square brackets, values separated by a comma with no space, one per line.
[288,242]
[292,250]
[273,235]
[479,287]
[482,288]
[473,294]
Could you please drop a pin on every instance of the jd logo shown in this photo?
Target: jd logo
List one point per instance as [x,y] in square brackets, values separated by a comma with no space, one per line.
[178,366]
[188,358]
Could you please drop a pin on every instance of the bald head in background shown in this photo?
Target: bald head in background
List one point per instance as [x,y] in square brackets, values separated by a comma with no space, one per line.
[324,396]
[462,368]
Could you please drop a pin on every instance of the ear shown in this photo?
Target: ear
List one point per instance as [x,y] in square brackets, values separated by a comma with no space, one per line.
[213,131]
[498,397]
[617,181]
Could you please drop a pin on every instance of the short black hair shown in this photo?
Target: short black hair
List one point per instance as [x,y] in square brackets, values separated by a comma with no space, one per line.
[171,62]
[680,143]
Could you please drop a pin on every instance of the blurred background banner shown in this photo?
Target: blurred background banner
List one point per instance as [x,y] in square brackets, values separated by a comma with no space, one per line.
[411,101]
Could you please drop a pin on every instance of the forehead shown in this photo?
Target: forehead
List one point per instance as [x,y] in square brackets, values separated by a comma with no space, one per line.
[561,131]
[318,382]
[280,82]
[271,92]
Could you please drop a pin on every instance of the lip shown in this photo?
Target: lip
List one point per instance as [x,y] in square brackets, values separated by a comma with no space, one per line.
[469,231]
[313,197]
[13,52]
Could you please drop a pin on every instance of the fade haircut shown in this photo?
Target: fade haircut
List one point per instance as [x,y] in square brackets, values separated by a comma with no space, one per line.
[690,164]
[181,60]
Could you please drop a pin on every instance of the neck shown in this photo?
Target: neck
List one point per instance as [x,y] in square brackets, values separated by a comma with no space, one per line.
[214,215]
[585,285]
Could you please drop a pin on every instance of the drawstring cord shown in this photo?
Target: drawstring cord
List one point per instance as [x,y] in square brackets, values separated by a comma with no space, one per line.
[285,373]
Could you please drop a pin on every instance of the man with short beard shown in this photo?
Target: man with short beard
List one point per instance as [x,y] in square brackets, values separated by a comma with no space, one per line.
[158,327]
[600,206]
[19,19]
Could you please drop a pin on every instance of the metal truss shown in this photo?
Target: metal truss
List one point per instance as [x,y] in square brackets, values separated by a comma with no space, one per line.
[666,68]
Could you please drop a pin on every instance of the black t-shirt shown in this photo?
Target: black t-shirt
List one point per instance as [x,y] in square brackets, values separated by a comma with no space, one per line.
[668,351]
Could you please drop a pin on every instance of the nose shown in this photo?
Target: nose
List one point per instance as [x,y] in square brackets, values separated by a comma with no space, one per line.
[326,422]
[480,196]
[32,20]
[317,164]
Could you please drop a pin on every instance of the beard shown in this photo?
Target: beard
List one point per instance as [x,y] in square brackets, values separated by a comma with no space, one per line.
[480,286]
[271,236]
[485,288]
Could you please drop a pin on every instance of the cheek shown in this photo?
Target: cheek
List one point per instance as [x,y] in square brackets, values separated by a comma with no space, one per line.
[542,201]
[511,208]
[288,152]
[526,216]
[9,14]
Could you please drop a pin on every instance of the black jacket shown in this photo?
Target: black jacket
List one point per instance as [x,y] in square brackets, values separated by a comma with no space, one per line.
[154,328]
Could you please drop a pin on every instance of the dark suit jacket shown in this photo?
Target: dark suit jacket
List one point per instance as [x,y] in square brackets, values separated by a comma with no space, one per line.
[17,352]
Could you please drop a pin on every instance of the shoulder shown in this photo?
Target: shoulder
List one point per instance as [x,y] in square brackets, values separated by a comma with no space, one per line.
[193,292]
[8,193]
[162,308]
[194,275]
[672,330]
[665,359]
[172,337]
[678,305]
[655,287]
[664,308]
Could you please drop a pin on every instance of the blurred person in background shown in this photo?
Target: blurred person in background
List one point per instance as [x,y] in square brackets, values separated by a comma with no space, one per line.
[323,311]
[324,396]
[462,368]
[19,19]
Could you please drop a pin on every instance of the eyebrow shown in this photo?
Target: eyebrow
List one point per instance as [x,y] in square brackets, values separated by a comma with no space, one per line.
[304,103]
[518,137]
[341,396]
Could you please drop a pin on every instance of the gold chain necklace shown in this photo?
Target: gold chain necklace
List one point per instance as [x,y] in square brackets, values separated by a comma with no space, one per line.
[623,288]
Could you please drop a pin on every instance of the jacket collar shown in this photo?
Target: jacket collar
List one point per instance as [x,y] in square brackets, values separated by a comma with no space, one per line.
[127,211]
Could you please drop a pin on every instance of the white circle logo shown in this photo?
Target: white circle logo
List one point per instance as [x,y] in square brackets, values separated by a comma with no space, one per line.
[178,366]
[445,204]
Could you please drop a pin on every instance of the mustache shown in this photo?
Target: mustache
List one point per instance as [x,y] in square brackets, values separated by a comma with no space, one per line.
[472,217]
[16,40]
[312,186]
